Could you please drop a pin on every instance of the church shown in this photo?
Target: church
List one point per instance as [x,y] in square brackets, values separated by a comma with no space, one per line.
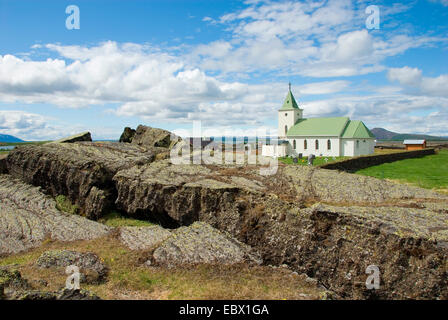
[327,137]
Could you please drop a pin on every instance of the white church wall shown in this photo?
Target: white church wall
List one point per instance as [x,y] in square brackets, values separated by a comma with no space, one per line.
[311,146]
[347,147]
[358,147]
[364,147]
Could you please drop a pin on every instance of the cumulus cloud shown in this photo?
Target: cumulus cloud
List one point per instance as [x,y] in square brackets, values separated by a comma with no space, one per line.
[309,38]
[31,126]
[27,126]
[143,82]
[396,112]
[413,78]
[110,73]
[405,75]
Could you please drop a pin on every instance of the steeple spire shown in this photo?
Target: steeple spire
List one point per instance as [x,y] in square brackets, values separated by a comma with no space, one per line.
[290,103]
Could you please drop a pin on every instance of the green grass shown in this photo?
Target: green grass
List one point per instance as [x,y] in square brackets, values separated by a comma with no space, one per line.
[430,172]
[64,204]
[317,161]
[114,219]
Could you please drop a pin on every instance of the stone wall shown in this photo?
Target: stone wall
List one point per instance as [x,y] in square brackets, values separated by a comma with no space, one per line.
[354,164]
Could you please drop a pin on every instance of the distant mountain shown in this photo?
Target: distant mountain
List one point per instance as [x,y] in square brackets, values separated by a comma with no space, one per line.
[383,134]
[9,138]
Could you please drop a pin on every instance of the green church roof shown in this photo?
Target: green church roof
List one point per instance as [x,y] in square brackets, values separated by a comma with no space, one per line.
[290,103]
[334,127]
[357,129]
[319,127]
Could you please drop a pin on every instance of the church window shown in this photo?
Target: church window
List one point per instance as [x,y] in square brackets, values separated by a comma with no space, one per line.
[329,144]
[286,129]
[317,144]
[305,144]
[286,114]
[357,143]
[294,144]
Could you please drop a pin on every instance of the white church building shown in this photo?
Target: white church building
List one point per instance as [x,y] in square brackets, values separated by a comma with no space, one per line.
[333,137]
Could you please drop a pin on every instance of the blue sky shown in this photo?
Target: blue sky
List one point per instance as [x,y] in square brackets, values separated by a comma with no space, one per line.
[226,63]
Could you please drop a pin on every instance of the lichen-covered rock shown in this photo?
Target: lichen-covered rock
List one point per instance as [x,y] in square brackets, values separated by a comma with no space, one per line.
[84,136]
[336,244]
[91,267]
[334,186]
[200,243]
[154,137]
[28,217]
[127,135]
[11,282]
[35,295]
[171,195]
[14,287]
[143,238]
[81,294]
[81,171]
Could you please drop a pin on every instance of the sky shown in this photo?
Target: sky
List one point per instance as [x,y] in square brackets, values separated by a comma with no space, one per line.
[227,64]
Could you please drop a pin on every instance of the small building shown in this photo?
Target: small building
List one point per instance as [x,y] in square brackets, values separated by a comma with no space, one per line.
[414,144]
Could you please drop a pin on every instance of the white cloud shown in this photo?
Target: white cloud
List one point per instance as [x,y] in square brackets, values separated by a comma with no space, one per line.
[395,112]
[324,87]
[309,38]
[31,126]
[412,77]
[109,73]
[405,75]
[28,126]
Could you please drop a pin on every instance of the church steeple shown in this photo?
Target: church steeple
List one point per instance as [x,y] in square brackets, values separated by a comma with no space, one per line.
[289,103]
[288,114]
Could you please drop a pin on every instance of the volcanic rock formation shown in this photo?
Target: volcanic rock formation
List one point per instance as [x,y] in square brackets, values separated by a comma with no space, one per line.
[330,225]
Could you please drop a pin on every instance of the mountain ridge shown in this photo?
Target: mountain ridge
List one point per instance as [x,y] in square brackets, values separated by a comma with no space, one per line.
[384,134]
[9,138]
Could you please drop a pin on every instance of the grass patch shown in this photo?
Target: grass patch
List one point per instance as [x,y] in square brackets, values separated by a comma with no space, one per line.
[430,172]
[128,279]
[114,219]
[65,205]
